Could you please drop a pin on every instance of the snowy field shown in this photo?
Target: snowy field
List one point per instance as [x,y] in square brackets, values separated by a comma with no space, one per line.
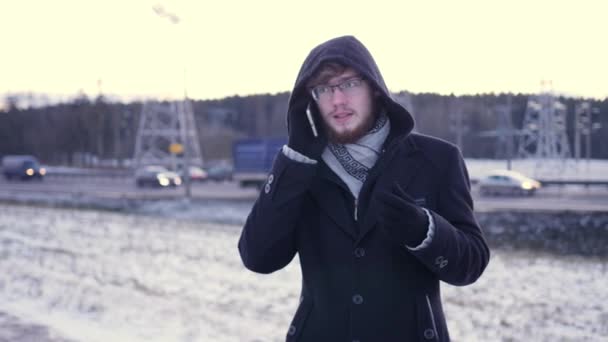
[78,275]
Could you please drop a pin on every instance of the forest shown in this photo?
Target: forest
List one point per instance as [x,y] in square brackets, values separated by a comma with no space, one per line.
[88,131]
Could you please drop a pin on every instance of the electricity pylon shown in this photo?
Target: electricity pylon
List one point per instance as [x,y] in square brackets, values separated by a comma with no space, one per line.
[167,136]
[543,135]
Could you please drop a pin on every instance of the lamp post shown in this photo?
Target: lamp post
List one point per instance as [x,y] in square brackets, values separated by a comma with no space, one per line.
[175,20]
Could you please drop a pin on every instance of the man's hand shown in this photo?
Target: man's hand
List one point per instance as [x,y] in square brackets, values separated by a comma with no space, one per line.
[401,217]
[301,137]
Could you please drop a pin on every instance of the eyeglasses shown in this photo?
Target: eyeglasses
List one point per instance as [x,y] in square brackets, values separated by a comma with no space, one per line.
[349,87]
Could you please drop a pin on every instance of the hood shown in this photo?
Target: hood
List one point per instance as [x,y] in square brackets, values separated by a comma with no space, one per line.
[349,51]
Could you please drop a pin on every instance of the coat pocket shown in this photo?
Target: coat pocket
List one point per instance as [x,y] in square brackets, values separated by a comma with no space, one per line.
[299,319]
[427,324]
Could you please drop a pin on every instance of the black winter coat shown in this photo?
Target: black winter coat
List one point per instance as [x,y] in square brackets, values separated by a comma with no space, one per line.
[359,284]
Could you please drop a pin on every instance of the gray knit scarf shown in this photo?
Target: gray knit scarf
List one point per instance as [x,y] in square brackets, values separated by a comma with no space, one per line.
[352,162]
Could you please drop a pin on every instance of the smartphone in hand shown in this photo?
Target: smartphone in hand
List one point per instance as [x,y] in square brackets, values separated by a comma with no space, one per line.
[311,120]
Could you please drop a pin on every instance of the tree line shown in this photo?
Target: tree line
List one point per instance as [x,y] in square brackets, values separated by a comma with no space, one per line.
[84,131]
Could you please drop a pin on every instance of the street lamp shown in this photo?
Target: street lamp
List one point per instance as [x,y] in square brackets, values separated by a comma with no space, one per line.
[175,20]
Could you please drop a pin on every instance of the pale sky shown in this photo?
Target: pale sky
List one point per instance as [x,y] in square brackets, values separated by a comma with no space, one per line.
[249,47]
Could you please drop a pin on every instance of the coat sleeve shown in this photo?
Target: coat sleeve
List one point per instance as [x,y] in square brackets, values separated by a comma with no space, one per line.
[268,239]
[458,252]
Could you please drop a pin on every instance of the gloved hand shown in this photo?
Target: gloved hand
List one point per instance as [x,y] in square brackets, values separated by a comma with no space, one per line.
[301,137]
[401,217]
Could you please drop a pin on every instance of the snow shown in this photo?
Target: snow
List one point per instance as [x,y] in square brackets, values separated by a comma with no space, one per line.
[169,270]
[101,276]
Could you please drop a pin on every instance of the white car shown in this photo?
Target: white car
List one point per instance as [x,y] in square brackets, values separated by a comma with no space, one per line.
[197,174]
[507,182]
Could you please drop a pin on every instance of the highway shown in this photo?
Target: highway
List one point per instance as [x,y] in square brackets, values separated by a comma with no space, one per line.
[550,198]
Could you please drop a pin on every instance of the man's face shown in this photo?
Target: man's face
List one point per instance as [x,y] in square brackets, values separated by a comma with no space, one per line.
[346,104]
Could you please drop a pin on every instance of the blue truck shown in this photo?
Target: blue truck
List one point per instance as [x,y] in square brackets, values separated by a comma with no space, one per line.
[253,158]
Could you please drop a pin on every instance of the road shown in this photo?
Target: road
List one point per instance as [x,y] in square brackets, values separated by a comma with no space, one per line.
[552,198]
[115,187]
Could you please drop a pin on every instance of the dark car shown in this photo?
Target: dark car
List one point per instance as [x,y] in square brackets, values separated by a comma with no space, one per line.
[22,167]
[156,176]
[221,172]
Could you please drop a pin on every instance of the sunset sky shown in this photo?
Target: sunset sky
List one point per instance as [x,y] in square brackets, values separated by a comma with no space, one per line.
[124,48]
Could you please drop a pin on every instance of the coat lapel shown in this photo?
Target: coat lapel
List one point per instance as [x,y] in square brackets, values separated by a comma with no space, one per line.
[405,165]
[333,203]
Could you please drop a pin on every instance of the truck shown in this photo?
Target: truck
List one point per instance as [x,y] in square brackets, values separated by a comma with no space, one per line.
[22,167]
[253,158]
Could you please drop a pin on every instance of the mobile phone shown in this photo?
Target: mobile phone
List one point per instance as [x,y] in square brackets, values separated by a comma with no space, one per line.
[311,121]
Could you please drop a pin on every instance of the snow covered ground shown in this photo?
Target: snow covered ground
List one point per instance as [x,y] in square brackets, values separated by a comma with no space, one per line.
[82,275]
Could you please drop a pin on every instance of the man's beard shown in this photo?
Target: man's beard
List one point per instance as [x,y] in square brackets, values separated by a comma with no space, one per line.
[350,136]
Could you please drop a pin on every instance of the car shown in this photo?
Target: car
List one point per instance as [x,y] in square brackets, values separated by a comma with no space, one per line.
[220,172]
[197,174]
[508,182]
[22,167]
[157,176]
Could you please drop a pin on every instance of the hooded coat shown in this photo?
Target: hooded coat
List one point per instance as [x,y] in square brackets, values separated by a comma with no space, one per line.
[358,283]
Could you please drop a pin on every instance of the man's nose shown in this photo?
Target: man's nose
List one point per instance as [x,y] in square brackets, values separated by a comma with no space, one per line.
[338,96]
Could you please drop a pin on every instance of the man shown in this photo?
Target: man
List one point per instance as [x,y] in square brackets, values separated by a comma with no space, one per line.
[377,214]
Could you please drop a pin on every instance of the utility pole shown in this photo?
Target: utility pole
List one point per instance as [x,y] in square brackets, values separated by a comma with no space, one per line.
[580,118]
[583,116]
[185,114]
[458,123]
[504,132]
[510,136]
[167,132]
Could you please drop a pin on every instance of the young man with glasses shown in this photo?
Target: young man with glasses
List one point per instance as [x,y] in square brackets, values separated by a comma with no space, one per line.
[377,214]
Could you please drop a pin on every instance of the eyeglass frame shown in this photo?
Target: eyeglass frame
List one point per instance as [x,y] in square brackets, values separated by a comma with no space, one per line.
[340,86]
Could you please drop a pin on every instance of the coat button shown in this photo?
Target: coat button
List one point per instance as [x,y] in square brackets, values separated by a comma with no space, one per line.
[357,299]
[267,188]
[359,252]
[270,178]
[429,334]
[441,261]
[292,330]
